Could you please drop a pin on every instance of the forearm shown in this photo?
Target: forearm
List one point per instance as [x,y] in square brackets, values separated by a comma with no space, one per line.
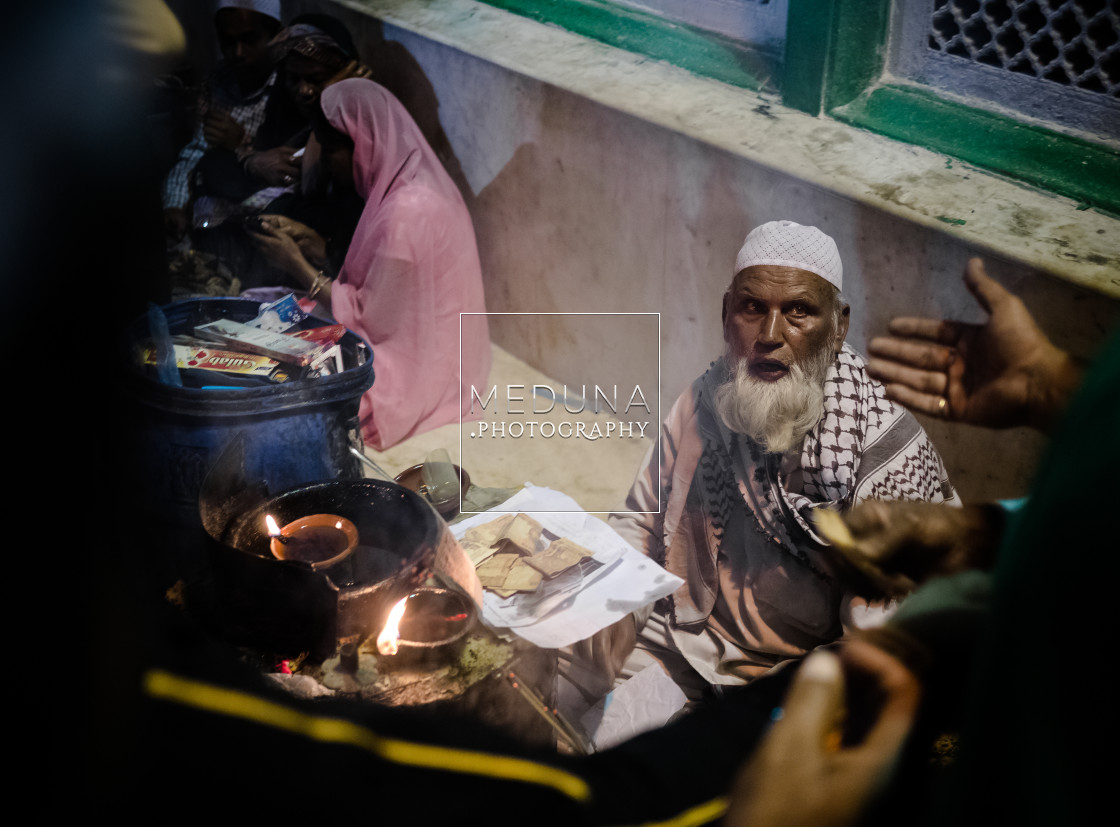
[314,280]
[1052,385]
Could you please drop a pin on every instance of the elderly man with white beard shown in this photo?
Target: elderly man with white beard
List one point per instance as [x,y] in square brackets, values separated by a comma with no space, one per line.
[786,422]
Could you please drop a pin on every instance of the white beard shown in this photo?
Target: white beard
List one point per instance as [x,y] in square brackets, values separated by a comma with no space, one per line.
[777,415]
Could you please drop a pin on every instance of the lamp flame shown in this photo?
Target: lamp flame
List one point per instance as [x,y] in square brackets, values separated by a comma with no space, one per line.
[387,640]
[273,528]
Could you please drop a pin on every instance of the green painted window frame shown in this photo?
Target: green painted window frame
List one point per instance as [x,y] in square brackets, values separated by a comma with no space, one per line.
[835,57]
[703,52]
[833,66]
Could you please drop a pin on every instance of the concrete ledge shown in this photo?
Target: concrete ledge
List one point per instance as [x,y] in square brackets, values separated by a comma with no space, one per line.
[1016,222]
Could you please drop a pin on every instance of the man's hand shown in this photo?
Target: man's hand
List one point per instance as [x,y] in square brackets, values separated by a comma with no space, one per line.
[276,167]
[353,69]
[220,129]
[821,765]
[1000,374]
[891,547]
[310,243]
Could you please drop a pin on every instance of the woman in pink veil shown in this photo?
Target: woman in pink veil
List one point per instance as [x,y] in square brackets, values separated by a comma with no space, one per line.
[410,270]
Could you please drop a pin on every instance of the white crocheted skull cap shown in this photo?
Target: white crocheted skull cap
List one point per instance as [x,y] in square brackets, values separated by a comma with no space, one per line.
[269,8]
[787,244]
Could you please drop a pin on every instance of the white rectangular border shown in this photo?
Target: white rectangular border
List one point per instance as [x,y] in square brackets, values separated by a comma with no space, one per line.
[660,419]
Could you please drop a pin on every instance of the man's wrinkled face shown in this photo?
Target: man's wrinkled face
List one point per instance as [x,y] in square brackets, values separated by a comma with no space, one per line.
[776,317]
[783,327]
[243,37]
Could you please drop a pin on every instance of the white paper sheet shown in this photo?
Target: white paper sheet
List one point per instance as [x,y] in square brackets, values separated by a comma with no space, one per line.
[644,702]
[575,605]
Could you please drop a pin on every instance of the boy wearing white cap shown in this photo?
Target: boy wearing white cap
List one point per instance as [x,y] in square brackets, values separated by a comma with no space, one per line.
[236,98]
[786,421]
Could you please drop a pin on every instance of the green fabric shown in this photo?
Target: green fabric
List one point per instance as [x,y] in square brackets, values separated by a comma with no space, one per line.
[965,592]
[1042,705]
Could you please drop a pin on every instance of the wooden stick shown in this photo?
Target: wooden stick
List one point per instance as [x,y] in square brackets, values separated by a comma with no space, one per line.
[564,729]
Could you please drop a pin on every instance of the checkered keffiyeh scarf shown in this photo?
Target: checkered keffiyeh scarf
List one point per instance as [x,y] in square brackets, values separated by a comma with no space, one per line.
[865,446]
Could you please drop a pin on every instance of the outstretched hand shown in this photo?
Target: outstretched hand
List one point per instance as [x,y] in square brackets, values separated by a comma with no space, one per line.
[822,764]
[999,374]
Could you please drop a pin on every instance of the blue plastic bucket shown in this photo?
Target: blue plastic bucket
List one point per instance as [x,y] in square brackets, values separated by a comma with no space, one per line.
[294,433]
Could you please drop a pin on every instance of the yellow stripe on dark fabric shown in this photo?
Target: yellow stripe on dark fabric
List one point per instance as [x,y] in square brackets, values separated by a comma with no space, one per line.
[244,705]
[700,814]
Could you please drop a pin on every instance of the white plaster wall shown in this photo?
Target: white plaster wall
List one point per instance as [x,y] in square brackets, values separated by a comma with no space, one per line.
[579,207]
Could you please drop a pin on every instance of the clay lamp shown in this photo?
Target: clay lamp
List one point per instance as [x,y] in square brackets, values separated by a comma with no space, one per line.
[427,627]
[320,540]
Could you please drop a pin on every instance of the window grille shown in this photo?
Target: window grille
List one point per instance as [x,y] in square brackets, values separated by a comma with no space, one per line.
[1051,61]
[1072,43]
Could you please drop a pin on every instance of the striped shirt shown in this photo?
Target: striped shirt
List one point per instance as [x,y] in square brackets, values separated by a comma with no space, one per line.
[222,94]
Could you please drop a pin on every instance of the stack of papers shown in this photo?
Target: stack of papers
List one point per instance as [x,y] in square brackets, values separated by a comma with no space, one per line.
[560,574]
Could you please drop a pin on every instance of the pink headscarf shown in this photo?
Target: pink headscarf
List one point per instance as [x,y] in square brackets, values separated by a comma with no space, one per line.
[411,269]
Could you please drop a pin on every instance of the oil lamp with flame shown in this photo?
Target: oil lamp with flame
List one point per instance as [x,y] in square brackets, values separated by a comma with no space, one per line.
[320,540]
[427,625]
[387,640]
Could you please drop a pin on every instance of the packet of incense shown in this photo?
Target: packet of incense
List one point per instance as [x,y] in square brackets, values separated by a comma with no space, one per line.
[277,346]
[324,336]
[279,316]
[201,355]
